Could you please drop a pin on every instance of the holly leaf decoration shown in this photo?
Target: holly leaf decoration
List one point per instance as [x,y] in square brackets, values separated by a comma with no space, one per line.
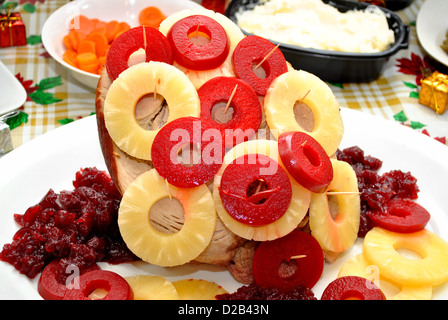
[400,116]
[49,83]
[65,121]
[34,39]
[42,97]
[29,7]
[17,120]
[417,125]
[9,4]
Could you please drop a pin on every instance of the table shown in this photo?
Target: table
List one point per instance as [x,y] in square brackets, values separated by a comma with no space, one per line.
[390,96]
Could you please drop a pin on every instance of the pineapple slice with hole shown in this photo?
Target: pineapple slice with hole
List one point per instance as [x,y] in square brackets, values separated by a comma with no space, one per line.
[382,248]
[335,224]
[294,86]
[295,213]
[234,33]
[132,85]
[358,266]
[148,287]
[158,247]
[197,289]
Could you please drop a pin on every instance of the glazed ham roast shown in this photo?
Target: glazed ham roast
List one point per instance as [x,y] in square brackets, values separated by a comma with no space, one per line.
[290,105]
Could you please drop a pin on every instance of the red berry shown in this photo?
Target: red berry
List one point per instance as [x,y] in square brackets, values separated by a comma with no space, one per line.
[154,42]
[247,113]
[49,287]
[249,52]
[189,132]
[352,287]
[116,285]
[305,160]
[260,208]
[400,215]
[198,57]
[298,248]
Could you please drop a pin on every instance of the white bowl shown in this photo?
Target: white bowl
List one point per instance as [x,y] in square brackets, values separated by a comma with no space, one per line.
[58,24]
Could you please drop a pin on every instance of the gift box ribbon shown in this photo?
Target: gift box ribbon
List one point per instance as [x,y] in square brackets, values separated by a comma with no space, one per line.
[8,21]
[436,80]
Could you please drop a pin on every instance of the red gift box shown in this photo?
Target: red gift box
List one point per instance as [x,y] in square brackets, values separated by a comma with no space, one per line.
[12,30]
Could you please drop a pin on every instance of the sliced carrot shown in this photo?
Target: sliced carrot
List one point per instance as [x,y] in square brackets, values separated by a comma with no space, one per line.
[151,17]
[75,38]
[67,42]
[86,58]
[124,26]
[83,24]
[112,27]
[101,42]
[69,56]
[86,46]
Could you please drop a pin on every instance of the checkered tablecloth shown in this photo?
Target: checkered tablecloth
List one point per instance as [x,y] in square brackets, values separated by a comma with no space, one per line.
[385,97]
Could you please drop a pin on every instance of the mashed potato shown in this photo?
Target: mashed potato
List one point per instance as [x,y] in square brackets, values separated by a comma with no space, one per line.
[314,24]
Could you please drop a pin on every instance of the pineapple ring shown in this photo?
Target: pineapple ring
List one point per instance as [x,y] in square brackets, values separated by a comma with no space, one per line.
[337,234]
[234,33]
[125,92]
[198,289]
[295,213]
[358,266]
[380,248]
[156,247]
[293,86]
[148,287]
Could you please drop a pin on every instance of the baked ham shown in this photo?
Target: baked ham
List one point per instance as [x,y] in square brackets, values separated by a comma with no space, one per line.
[124,168]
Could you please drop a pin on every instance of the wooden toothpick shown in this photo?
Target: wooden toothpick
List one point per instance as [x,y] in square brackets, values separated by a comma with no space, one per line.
[341,192]
[303,98]
[197,30]
[230,99]
[144,38]
[267,56]
[300,256]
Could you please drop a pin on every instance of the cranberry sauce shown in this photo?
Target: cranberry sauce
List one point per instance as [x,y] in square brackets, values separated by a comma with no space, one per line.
[376,189]
[79,227]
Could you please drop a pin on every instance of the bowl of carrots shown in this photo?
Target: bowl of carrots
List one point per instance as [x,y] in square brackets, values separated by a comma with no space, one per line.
[79,34]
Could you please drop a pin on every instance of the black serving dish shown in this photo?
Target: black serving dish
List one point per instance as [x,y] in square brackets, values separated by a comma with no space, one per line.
[334,66]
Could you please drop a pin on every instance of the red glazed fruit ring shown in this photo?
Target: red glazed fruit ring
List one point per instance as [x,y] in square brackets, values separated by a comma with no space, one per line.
[246,108]
[181,132]
[251,51]
[400,215]
[116,285]
[298,246]
[199,57]
[352,287]
[153,41]
[306,160]
[49,287]
[263,207]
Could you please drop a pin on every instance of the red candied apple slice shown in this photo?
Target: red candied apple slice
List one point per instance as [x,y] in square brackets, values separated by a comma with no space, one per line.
[306,160]
[239,96]
[352,288]
[187,152]
[49,287]
[116,286]
[299,251]
[183,37]
[154,43]
[246,174]
[249,55]
[400,215]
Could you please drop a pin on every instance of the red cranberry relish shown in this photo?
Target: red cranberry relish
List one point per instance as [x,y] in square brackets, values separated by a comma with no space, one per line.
[376,190]
[254,292]
[79,227]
